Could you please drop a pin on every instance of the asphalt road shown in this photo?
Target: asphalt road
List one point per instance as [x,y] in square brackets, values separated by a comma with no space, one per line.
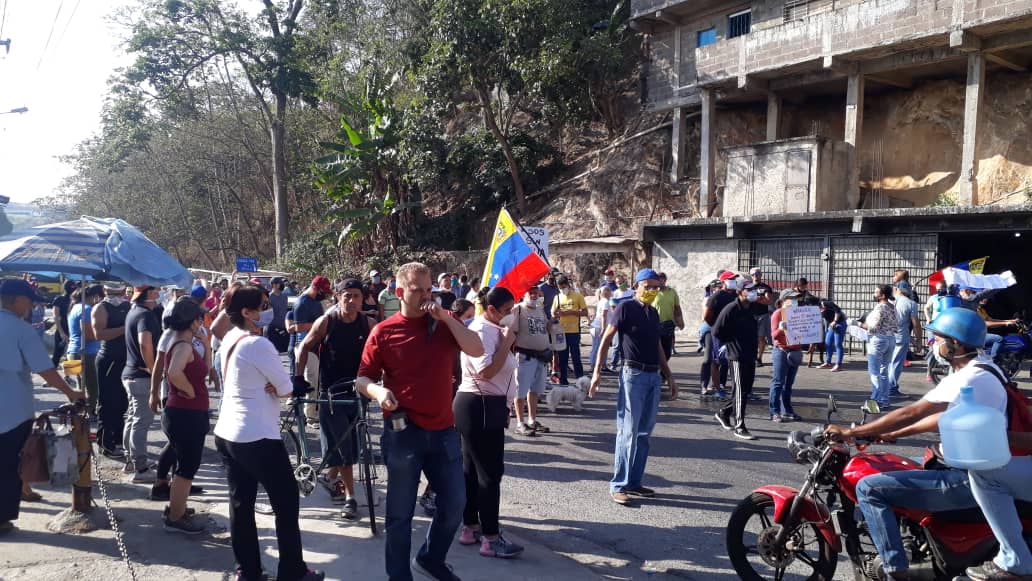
[556,485]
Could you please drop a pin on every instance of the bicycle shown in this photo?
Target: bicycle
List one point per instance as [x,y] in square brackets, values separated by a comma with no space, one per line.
[293,428]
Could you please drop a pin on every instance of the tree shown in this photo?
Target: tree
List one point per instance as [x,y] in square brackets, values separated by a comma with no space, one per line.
[178,41]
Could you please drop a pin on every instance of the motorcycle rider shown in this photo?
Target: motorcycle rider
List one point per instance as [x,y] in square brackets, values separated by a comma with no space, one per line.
[959,334]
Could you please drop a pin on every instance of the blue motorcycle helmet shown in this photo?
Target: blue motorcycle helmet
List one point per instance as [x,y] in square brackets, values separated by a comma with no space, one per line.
[962,325]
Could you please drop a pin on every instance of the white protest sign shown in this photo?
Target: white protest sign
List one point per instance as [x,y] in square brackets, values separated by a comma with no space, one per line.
[803,325]
[536,235]
[857,333]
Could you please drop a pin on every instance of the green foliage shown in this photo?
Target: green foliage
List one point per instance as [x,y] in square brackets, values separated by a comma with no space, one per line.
[475,164]
[945,199]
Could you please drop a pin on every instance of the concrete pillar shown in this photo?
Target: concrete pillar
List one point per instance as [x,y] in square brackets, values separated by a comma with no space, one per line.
[972,112]
[773,117]
[678,145]
[707,151]
[853,136]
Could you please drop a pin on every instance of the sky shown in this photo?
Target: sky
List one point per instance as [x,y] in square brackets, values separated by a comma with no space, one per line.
[62,82]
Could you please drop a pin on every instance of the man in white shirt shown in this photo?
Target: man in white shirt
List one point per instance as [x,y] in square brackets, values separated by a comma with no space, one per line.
[959,333]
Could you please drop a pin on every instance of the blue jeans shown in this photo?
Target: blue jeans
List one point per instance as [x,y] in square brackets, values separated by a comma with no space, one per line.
[438,455]
[899,356]
[572,352]
[992,343]
[781,382]
[995,491]
[615,358]
[879,355]
[596,342]
[637,405]
[833,341]
[932,490]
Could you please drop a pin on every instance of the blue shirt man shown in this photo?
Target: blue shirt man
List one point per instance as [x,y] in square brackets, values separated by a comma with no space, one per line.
[637,404]
[21,354]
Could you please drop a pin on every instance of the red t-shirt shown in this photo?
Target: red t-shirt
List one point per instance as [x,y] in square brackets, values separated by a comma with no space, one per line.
[196,372]
[415,366]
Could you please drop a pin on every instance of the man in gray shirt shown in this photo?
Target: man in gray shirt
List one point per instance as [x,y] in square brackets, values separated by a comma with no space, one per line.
[21,354]
[533,330]
[906,313]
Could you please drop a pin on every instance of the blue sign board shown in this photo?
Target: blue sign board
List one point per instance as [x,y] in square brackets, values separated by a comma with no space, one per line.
[246,264]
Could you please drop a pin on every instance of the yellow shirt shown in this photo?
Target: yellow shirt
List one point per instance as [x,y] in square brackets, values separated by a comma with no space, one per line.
[665,302]
[572,301]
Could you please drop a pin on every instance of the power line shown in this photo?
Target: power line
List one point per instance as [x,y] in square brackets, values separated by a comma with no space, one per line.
[67,24]
[3,21]
[49,35]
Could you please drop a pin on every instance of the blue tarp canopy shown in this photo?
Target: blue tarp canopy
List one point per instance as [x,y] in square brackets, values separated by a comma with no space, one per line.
[100,248]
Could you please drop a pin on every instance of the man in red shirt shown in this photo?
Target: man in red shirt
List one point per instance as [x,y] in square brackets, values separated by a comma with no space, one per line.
[413,352]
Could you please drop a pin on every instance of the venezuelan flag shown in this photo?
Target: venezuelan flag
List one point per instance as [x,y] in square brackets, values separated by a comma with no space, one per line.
[974,266]
[511,262]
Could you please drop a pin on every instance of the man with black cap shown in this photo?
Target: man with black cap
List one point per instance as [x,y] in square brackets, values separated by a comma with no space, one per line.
[637,403]
[109,326]
[735,328]
[339,336]
[21,354]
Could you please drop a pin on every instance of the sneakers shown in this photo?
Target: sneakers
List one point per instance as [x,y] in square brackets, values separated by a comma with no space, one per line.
[743,434]
[338,495]
[189,511]
[621,498]
[640,491]
[791,417]
[722,394]
[428,500]
[469,536]
[6,527]
[776,418]
[500,548]
[539,428]
[990,571]
[350,509]
[186,525]
[129,467]
[115,454]
[441,572]
[723,421]
[314,576]
[836,369]
[525,430]
[141,476]
[160,492]
[825,366]
[707,392]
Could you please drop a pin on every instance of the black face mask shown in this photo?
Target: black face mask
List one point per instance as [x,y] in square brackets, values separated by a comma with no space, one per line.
[941,292]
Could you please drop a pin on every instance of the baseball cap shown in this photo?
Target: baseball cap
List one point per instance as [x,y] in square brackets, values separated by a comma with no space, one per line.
[443,276]
[71,285]
[16,287]
[374,273]
[198,291]
[610,271]
[349,283]
[115,287]
[755,270]
[746,285]
[727,275]
[321,283]
[646,274]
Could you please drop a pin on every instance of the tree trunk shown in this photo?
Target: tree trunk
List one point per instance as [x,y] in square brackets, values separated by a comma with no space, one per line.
[279,174]
[492,125]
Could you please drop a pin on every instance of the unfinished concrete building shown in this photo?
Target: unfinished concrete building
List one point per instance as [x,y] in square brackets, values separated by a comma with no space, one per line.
[817,134]
[800,60]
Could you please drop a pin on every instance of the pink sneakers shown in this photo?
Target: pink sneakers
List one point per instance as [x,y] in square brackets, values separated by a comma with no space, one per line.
[469,536]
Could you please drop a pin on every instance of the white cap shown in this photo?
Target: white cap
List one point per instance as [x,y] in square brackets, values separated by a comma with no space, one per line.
[373,273]
[443,276]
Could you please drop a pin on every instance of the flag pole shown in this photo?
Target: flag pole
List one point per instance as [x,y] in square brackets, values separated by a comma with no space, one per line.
[530,238]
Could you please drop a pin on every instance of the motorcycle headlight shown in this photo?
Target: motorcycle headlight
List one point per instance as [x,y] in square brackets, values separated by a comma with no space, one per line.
[800,448]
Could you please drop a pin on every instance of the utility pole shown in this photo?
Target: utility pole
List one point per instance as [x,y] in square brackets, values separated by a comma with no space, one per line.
[7,44]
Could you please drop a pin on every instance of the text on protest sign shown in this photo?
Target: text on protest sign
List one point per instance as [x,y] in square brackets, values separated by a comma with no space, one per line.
[803,325]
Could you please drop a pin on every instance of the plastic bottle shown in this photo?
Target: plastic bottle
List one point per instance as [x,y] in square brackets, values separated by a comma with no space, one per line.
[974,436]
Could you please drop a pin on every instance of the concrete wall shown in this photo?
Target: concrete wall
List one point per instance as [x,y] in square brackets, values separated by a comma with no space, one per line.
[689,265]
[774,44]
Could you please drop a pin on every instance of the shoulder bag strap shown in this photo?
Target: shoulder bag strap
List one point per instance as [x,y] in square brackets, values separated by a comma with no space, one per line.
[996,374]
[232,348]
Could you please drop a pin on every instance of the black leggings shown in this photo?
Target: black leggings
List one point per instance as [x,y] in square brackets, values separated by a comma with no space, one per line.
[262,462]
[112,402]
[185,430]
[481,425]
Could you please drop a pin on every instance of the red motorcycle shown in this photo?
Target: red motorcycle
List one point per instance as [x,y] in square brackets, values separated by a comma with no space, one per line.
[782,533]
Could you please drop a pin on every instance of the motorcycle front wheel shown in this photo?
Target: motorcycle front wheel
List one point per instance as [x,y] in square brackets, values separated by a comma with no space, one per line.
[806,555]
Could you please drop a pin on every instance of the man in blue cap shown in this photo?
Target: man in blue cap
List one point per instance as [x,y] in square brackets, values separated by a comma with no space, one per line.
[637,403]
[21,354]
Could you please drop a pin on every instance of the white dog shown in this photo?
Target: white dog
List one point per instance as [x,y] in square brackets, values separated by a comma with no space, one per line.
[573,394]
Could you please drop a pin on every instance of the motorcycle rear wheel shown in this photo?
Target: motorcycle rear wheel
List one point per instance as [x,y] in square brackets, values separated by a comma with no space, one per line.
[813,559]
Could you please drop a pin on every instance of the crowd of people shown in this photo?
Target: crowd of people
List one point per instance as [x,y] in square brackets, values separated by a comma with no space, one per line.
[448,364]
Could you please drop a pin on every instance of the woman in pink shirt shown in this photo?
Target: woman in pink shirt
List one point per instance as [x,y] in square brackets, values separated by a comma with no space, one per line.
[481,415]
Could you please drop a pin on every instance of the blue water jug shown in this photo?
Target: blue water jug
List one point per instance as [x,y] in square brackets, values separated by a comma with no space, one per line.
[974,436]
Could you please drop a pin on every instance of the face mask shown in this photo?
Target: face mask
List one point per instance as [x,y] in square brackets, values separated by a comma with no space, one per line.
[455,282]
[115,300]
[609,278]
[941,292]
[876,299]
[534,303]
[564,291]
[751,296]
[648,296]
[507,320]
[392,286]
[938,357]
[622,286]
[376,280]
[265,319]
[789,303]
[467,322]
[730,284]
[437,300]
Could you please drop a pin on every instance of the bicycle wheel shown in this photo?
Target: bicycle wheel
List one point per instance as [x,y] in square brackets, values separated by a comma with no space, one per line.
[293,444]
[367,474]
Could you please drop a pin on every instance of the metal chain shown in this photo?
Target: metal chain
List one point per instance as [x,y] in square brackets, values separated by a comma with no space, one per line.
[111,517]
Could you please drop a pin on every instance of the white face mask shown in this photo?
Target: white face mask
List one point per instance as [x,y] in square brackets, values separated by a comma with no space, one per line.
[437,300]
[564,291]
[507,320]
[751,296]
[534,303]
[265,319]
[115,300]
[789,303]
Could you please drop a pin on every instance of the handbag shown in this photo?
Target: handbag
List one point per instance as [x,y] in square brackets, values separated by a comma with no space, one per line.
[62,459]
[32,461]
